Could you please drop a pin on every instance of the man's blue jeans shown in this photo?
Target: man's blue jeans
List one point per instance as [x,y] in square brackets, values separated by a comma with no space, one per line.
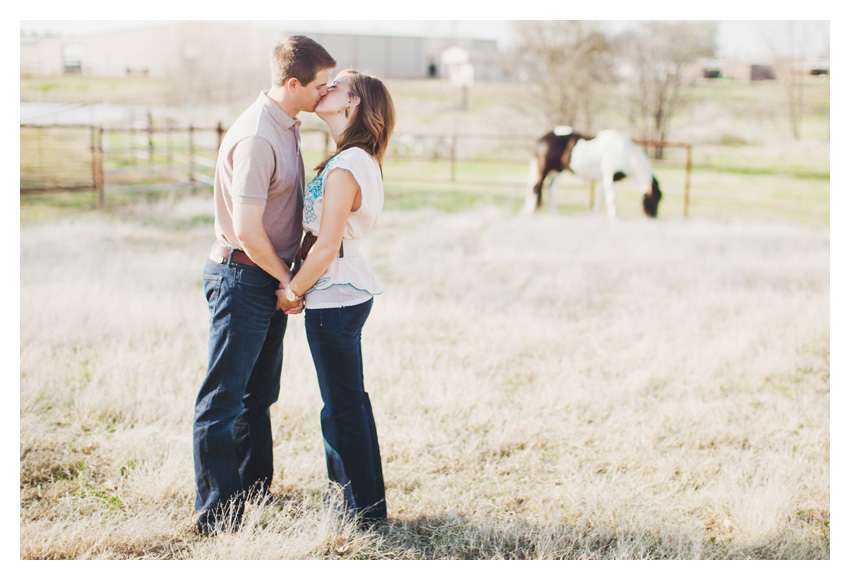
[232,429]
[348,427]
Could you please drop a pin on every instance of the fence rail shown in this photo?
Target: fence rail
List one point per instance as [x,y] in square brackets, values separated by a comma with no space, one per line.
[147,158]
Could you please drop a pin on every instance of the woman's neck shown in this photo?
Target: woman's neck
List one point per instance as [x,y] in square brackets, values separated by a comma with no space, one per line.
[337,124]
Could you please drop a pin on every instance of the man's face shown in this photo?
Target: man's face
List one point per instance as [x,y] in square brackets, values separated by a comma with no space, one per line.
[307,97]
[337,97]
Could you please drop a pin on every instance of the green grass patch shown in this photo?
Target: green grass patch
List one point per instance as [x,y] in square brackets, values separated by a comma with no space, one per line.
[771,198]
[69,89]
[794,172]
[442,196]
[43,206]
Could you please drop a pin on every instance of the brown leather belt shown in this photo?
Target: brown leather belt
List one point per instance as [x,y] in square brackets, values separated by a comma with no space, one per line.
[307,243]
[221,254]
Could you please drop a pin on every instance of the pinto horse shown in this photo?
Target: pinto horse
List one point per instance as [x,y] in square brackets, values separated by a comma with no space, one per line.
[607,157]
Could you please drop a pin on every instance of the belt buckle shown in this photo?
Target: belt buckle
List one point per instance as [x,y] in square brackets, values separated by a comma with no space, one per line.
[218,258]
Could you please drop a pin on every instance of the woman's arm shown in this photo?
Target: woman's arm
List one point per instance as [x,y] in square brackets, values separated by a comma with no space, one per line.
[342,194]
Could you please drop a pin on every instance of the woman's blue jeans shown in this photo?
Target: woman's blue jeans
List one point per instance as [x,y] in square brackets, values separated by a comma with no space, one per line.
[232,429]
[348,427]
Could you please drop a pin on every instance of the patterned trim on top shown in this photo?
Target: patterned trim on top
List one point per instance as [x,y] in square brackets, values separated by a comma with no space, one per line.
[315,190]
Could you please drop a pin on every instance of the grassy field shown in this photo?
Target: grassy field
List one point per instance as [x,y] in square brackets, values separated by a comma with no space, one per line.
[545,386]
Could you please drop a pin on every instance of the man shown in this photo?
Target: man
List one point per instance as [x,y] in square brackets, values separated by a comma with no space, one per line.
[259,189]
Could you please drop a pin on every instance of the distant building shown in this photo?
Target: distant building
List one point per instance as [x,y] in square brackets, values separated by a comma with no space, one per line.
[182,48]
[762,72]
[817,67]
[30,65]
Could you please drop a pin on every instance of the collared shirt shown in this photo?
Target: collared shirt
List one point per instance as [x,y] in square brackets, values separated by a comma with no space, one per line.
[260,163]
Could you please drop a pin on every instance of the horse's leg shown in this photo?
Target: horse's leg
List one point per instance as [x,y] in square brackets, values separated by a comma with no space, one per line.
[598,198]
[532,197]
[610,193]
[553,208]
[593,201]
[538,187]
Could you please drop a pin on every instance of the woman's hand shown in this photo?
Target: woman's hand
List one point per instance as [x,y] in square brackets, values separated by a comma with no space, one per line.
[288,307]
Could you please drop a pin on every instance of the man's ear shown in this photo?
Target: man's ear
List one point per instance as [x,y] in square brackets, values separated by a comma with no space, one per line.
[290,84]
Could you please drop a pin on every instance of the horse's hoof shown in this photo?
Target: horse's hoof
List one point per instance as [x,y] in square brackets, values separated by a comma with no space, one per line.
[528,207]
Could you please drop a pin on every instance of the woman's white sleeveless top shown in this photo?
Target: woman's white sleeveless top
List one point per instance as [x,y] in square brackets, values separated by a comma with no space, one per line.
[348,280]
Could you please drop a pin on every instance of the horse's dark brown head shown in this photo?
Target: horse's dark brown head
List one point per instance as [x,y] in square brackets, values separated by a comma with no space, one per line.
[650,200]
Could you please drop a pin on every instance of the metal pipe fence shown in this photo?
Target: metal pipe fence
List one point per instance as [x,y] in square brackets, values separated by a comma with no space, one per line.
[149,158]
[110,160]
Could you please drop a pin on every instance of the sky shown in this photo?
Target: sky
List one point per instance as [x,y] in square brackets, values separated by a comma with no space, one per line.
[736,38]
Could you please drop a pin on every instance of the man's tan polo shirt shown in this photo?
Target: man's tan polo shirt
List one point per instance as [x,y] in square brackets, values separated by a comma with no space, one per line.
[260,163]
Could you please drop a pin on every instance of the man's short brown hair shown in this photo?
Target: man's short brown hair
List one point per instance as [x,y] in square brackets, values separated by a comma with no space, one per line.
[301,58]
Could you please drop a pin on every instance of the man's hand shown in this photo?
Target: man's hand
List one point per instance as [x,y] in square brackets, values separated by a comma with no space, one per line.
[288,307]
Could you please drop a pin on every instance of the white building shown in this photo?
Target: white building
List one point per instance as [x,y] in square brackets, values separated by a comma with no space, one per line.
[174,49]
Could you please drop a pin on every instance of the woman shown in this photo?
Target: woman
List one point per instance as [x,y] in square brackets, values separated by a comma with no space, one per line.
[341,205]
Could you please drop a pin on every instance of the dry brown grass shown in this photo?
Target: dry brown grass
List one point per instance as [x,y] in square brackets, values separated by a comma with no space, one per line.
[544,387]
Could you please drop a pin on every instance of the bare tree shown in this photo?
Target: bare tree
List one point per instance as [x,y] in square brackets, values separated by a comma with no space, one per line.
[660,59]
[569,59]
[792,43]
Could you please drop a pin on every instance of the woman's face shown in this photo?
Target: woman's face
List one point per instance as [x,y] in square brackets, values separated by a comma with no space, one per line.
[337,99]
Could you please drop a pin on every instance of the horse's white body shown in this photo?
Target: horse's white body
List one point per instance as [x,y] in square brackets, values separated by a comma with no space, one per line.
[599,159]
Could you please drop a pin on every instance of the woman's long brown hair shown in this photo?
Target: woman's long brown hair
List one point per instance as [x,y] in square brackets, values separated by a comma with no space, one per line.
[373,120]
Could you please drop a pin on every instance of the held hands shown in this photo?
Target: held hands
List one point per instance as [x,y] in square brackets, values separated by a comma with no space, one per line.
[288,307]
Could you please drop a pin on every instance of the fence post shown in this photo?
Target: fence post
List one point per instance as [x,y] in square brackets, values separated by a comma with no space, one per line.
[169,144]
[192,156]
[150,142]
[98,174]
[453,155]
[687,178]
[93,158]
[131,144]
[40,140]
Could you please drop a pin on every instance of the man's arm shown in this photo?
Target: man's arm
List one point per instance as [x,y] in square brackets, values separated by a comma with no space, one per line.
[255,242]
[253,165]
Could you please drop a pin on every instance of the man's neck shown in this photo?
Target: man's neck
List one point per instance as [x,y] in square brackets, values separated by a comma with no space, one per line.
[279,96]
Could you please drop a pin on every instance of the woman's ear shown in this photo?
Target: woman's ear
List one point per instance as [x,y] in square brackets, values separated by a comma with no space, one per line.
[355,100]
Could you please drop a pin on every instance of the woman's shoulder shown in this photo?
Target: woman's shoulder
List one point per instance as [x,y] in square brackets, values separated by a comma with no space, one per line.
[355,154]
[353,159]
